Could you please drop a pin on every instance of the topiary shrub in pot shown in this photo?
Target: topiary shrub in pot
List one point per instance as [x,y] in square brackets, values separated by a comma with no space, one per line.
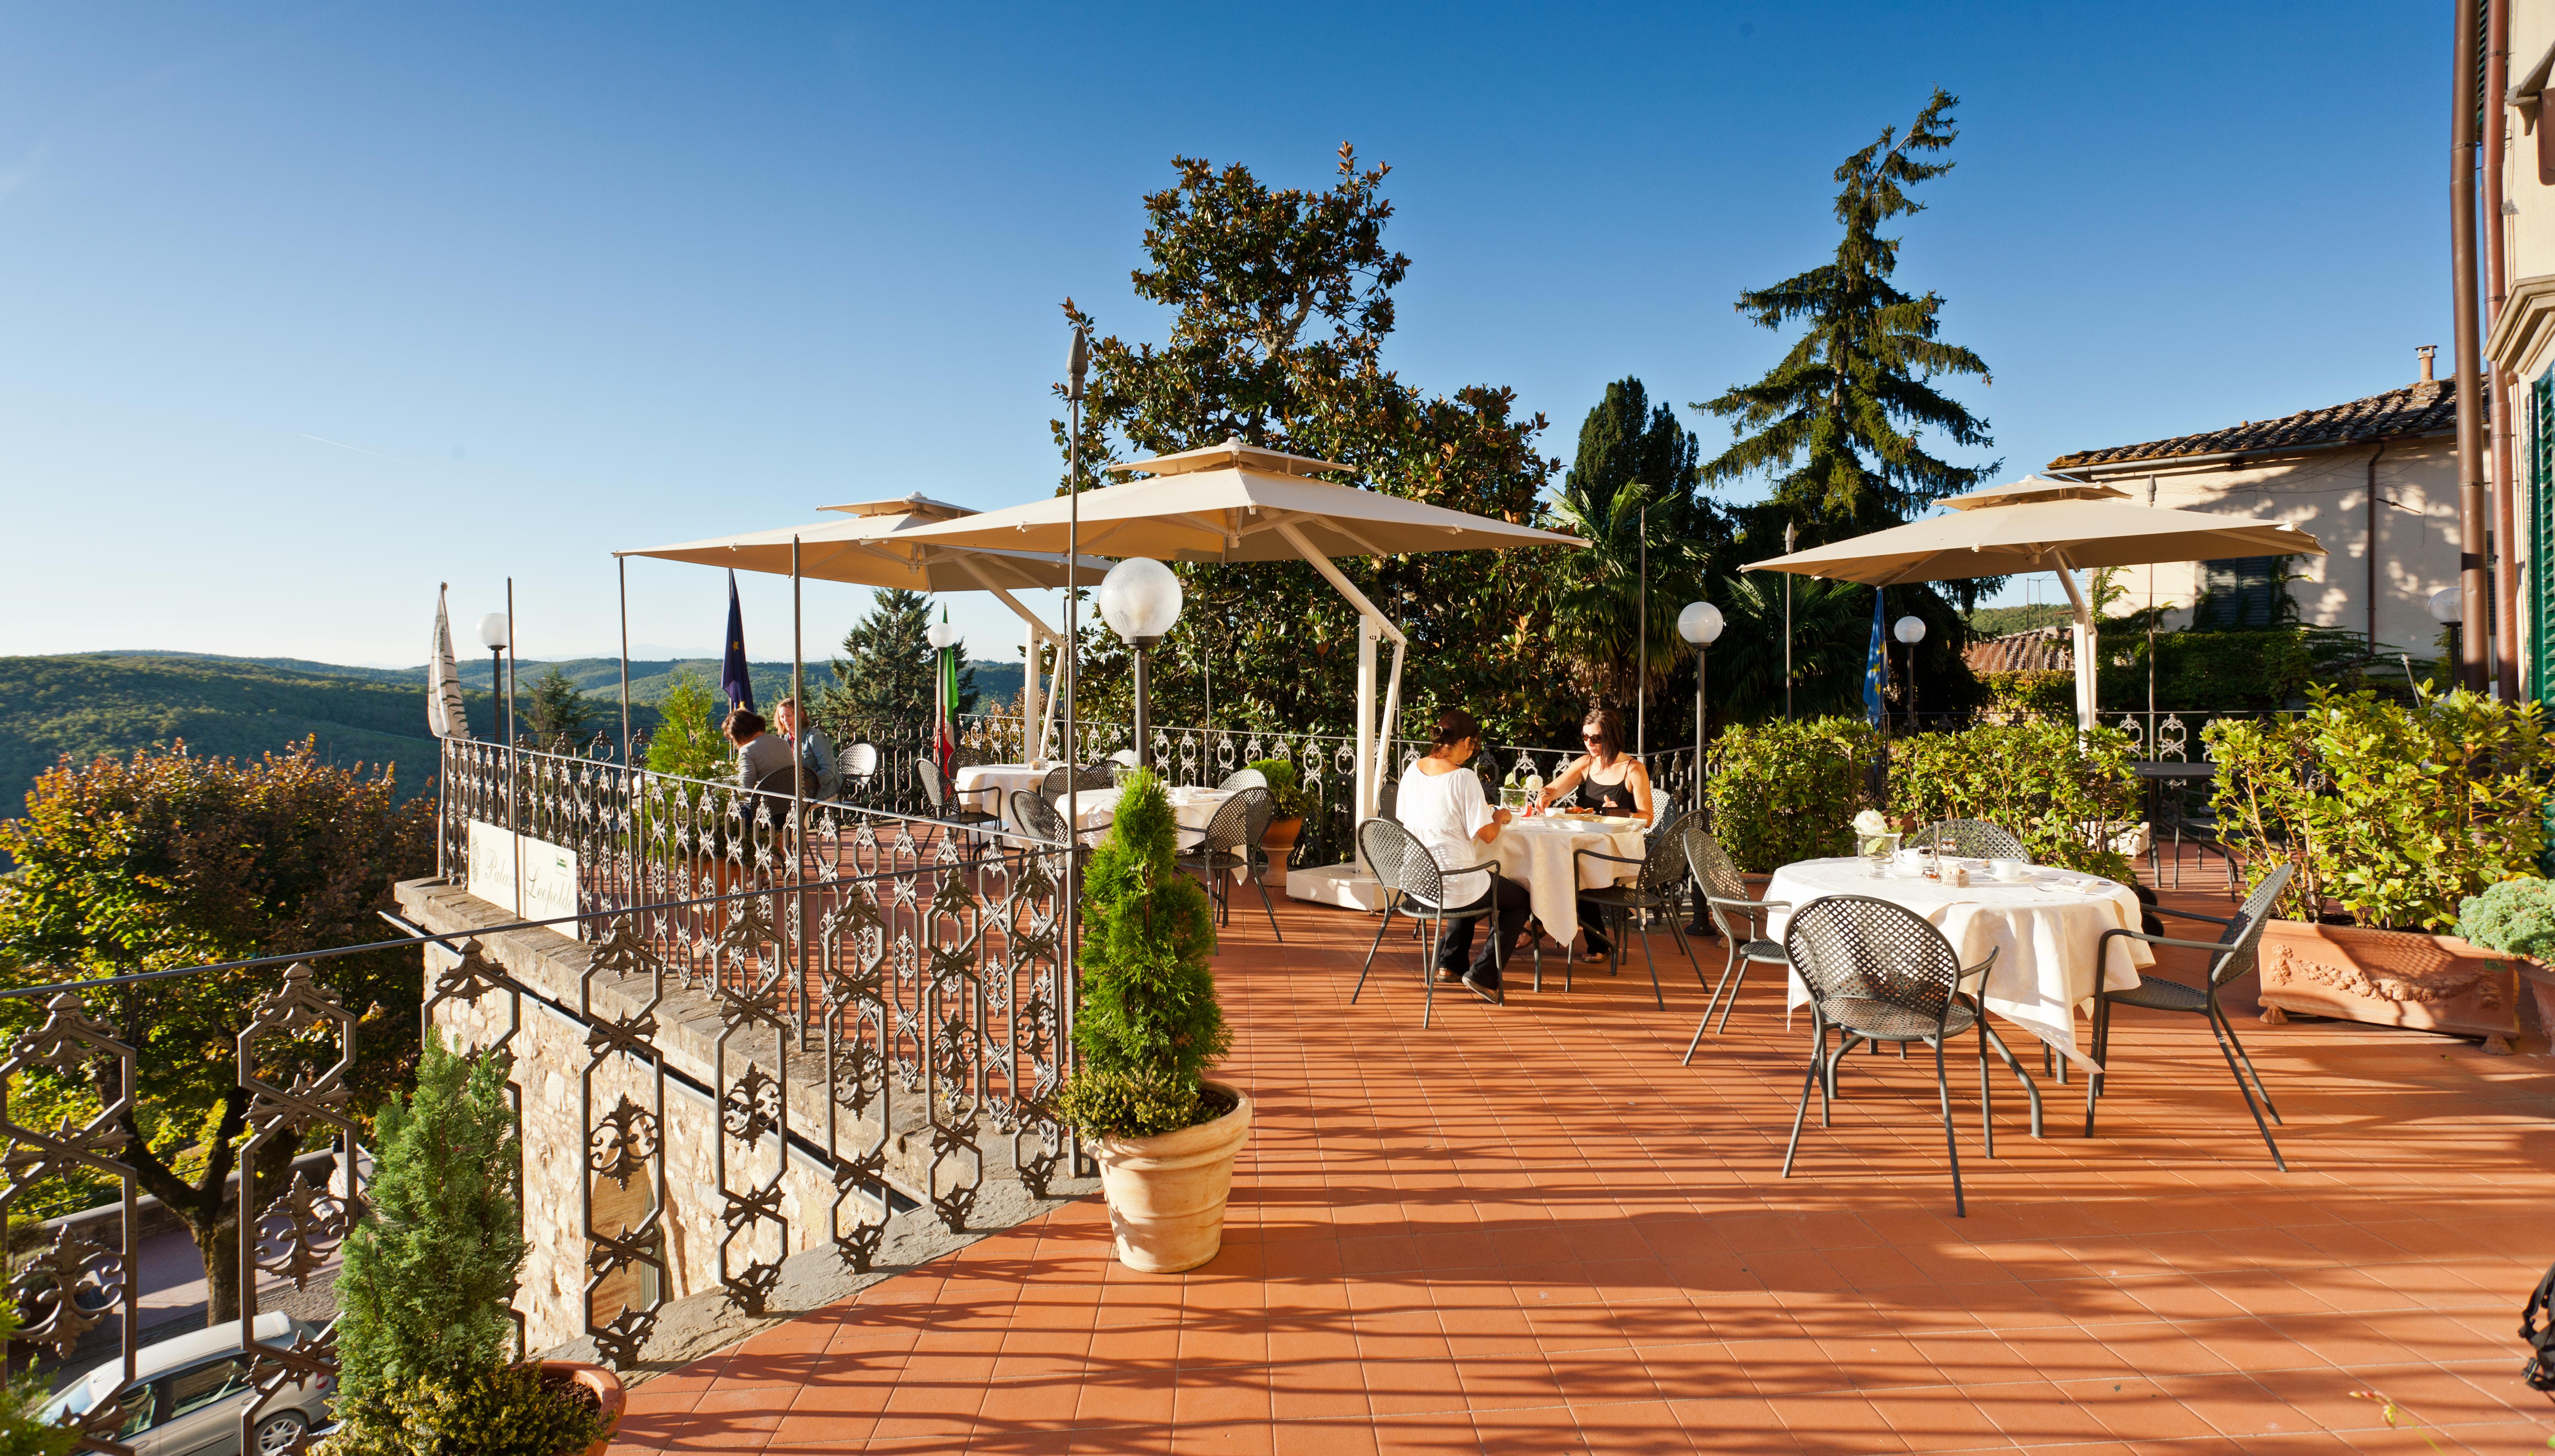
[423,1333]
[1147,1027]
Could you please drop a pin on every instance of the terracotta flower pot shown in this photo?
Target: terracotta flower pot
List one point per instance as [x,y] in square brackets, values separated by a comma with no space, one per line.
[1166,1194]
[608,1392]
[1281,837]
[2390,978]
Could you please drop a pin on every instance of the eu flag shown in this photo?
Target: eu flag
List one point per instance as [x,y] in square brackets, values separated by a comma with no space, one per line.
[736,679]
[1874,666]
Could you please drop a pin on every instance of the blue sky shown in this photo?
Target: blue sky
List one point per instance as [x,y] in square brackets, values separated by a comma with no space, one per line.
[312,306]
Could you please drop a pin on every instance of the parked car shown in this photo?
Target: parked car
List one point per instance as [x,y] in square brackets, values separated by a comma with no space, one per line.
[192,1389]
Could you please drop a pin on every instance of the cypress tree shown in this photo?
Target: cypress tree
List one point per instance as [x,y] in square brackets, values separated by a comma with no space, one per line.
[1837,422]
[1624,439]
[886,671]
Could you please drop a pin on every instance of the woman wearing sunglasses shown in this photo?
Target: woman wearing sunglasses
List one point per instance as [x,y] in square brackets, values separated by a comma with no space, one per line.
[1611,782]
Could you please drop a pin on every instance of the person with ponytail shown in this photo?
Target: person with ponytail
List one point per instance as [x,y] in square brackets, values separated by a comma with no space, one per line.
[1440,801]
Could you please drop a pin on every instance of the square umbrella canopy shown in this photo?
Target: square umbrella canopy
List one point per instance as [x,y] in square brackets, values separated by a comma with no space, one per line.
[871,543]
[1233,503]
[2043,525]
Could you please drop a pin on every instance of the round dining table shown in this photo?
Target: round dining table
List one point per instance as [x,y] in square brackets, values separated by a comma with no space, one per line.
[1541,854]
[2044,929]
[989,786]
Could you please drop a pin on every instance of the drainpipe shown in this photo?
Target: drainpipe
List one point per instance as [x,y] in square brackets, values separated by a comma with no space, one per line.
[2506,554]
[2370,552]
[2474,579]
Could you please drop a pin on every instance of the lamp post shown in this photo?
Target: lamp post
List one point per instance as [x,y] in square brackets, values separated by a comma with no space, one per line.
[1700,624]
[2448,607]
[1911,630]
[1789,537]
[496,634]
[1139,599]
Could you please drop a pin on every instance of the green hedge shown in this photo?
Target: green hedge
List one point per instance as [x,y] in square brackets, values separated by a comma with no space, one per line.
[1785,791]
[2394,813]
[2064,796]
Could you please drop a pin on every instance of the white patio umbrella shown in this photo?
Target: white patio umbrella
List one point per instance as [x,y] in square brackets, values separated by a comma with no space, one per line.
[2044,524]
[1237,503]
[871,543]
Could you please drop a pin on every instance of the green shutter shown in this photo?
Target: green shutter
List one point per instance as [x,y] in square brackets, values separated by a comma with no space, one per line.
[2541,501]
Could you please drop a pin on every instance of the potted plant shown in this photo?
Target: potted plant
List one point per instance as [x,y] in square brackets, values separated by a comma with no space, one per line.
[424,1335]
[1287,824]
[2517,918]
[2395,813]
[1148,1028]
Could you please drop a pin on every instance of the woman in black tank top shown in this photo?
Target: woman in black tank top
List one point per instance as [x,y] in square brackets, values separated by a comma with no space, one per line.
[1629,794]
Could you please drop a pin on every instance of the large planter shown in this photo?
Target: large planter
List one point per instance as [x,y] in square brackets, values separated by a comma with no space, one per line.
[1282,836]
[1166,1194]
[2390,978]
[608,1390]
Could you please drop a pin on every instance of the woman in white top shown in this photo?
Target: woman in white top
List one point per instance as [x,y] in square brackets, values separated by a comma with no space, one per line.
[1440,802]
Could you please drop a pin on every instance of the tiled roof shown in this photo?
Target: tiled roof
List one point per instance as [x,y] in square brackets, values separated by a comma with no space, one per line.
[2414,409]
[2041,650]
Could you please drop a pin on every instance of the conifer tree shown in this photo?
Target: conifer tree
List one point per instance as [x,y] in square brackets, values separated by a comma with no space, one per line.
[559,712]
[1837,424]
[1149,1024]
[884,675]
[1634,481]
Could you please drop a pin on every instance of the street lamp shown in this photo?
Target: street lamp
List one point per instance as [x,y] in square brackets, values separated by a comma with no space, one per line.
[496,634]
[2449,608]
[1139,599]
[1911,630]
[1700,623]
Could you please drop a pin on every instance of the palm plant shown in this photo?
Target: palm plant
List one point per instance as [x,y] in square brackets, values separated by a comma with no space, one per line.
[1831,635]
[1597,591]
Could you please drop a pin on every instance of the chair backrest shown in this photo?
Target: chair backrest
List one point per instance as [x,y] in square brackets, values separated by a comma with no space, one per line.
[1720,879]
[1971,838]
[783,780]
[860,761]
[1245,778]
[1240,822]
[1034,816]
[936,789]
[1663,862]
[1401,864]
[1057,780]
[2244,936]
[1853,947]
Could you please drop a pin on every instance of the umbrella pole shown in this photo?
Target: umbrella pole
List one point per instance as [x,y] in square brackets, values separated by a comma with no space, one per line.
[1371,624]
[2083,632]
[1642,656]
[798,779]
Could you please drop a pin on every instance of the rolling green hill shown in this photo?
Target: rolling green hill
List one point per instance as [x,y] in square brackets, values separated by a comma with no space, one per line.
[93,704]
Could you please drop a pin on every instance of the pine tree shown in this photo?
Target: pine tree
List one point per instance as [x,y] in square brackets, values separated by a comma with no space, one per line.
[1626,439]
[1836,424]
[559,712]
[687,743]
[884,675]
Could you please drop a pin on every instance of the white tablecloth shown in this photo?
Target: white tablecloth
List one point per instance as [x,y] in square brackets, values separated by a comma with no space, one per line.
[1538,853]
[989,786]
[1191,808]
[2044,933]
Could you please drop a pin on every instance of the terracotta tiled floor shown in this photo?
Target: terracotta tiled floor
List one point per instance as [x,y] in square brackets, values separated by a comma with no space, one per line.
[1530,1230]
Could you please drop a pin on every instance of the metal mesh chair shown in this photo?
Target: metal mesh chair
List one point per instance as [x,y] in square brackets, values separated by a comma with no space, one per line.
[1740,919]
[1231,842]
[1971,838]
[1034,816]
[1245,778]
[2232,954]
[935,792]
[1660,885]
[1880,972]
[1414,884]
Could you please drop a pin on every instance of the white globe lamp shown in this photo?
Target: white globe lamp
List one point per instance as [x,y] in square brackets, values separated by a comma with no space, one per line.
[1139,599]
[1700,623]
[1909,630]
[2448,605]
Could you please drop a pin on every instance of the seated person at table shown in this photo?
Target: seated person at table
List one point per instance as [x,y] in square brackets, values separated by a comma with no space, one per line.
[1440,802]
[815,751]
[1611,782]
[757,752]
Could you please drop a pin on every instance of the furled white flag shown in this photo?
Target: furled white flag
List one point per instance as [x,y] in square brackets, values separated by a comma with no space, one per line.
[445,715]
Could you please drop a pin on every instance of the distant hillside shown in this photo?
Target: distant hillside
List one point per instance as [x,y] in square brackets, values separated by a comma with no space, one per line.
[88,704]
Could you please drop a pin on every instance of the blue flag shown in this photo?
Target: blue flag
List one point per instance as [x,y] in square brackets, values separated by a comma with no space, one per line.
[1876,667]
[736,679]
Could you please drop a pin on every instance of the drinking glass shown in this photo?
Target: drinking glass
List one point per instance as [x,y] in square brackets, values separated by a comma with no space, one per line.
[1878,851]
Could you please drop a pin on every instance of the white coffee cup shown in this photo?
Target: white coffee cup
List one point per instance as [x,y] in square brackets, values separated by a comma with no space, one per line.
[2006,869]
